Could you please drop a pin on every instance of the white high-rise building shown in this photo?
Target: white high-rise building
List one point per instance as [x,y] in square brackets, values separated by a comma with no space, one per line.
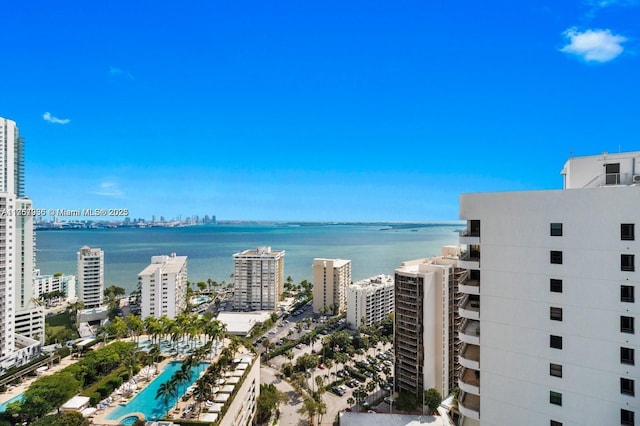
[425,339]
[90,277]
[21,317]
[549,330]
[330,280]
[163,286]
[369,301]
[258,277]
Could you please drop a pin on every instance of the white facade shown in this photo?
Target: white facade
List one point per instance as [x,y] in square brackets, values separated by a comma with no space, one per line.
[29,319]
[554,272]
[49,283]
[243,408]
[330,280]
[424,337]
[370,300]
[163,286]
[91,276]
[21,317]
[258,277]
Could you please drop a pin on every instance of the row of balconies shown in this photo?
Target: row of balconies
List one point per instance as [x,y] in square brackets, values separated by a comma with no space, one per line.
[469,331]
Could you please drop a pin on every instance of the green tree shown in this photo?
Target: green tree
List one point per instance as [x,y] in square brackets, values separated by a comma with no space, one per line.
[68,418]
[167,390]
[432,399]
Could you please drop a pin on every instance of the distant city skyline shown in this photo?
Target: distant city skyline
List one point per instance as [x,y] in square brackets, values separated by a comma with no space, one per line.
[298,111]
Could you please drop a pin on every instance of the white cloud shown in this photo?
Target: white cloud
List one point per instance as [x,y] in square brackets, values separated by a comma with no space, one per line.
[109,189]
[593,45]
[51,119]
[119,72]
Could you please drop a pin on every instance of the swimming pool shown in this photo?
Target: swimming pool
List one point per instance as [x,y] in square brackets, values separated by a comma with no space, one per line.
[4,405]
[146,403]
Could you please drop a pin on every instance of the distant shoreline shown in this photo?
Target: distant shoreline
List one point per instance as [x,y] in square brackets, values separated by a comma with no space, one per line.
[105,225]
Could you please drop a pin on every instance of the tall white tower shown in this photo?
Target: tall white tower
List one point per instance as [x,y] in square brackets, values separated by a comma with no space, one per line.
[549,308]
[21,317]
[90,276]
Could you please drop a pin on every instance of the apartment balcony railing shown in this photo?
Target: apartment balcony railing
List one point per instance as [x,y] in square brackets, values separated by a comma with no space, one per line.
[470,260]
[469,405]
[469,237]
[470,308]
[470,356]
[470,381]
[470,332]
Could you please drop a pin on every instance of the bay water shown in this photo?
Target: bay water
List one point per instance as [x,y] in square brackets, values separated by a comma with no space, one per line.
[372,248]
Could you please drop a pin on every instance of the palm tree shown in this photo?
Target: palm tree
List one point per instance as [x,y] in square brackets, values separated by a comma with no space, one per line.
[321,408]
[183,375]
[167,390]
[309,407]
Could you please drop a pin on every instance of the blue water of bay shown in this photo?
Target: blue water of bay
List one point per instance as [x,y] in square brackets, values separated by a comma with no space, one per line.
[372,248]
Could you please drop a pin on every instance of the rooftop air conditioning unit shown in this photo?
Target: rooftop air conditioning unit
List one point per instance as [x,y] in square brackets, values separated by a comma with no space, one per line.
[636,178]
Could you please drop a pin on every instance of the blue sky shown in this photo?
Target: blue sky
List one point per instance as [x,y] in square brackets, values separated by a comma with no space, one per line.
[313,110]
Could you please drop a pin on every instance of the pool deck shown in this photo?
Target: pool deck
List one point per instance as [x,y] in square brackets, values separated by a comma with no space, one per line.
[15,390]
[100,417]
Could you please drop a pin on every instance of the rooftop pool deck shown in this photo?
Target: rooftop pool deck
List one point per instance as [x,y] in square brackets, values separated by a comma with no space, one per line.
[145,402]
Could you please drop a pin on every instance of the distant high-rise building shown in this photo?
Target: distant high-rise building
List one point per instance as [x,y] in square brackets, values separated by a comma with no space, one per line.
[90,276]
[549,305]
[21,316]
[425,338]
[163,286]
[369,301]
[258,277]
[330,280]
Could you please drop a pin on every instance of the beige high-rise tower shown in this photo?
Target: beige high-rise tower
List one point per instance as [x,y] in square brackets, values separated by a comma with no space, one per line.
[330,280]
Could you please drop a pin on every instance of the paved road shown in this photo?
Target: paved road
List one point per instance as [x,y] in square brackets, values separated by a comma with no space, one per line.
[289,415]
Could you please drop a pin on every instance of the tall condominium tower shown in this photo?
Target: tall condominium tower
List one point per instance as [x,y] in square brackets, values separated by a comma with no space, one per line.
[163,286]
[369,301]
[550,334]
[258,277]
[330,280]
[425,339]
[90,276]
[21,317]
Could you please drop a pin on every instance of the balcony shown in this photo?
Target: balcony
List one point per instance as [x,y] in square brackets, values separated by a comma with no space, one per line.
[470,357]
[470,381]
[470,284]
[470,308]
[470,259]
[469,237]
[470,332]
[469,405]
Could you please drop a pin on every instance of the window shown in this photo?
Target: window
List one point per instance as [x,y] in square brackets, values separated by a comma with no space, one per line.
[556,257]
[612,174]
[627,262]
[627,356]
[627,418]
[555,398]
[626,325]
[555,314]
[627,293]
[627,386]
[555,423]
[555,370]
[555,286]
[627,231]
[556,230]
[555,342]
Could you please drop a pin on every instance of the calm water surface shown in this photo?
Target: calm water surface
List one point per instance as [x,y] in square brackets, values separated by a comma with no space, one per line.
[372,249]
